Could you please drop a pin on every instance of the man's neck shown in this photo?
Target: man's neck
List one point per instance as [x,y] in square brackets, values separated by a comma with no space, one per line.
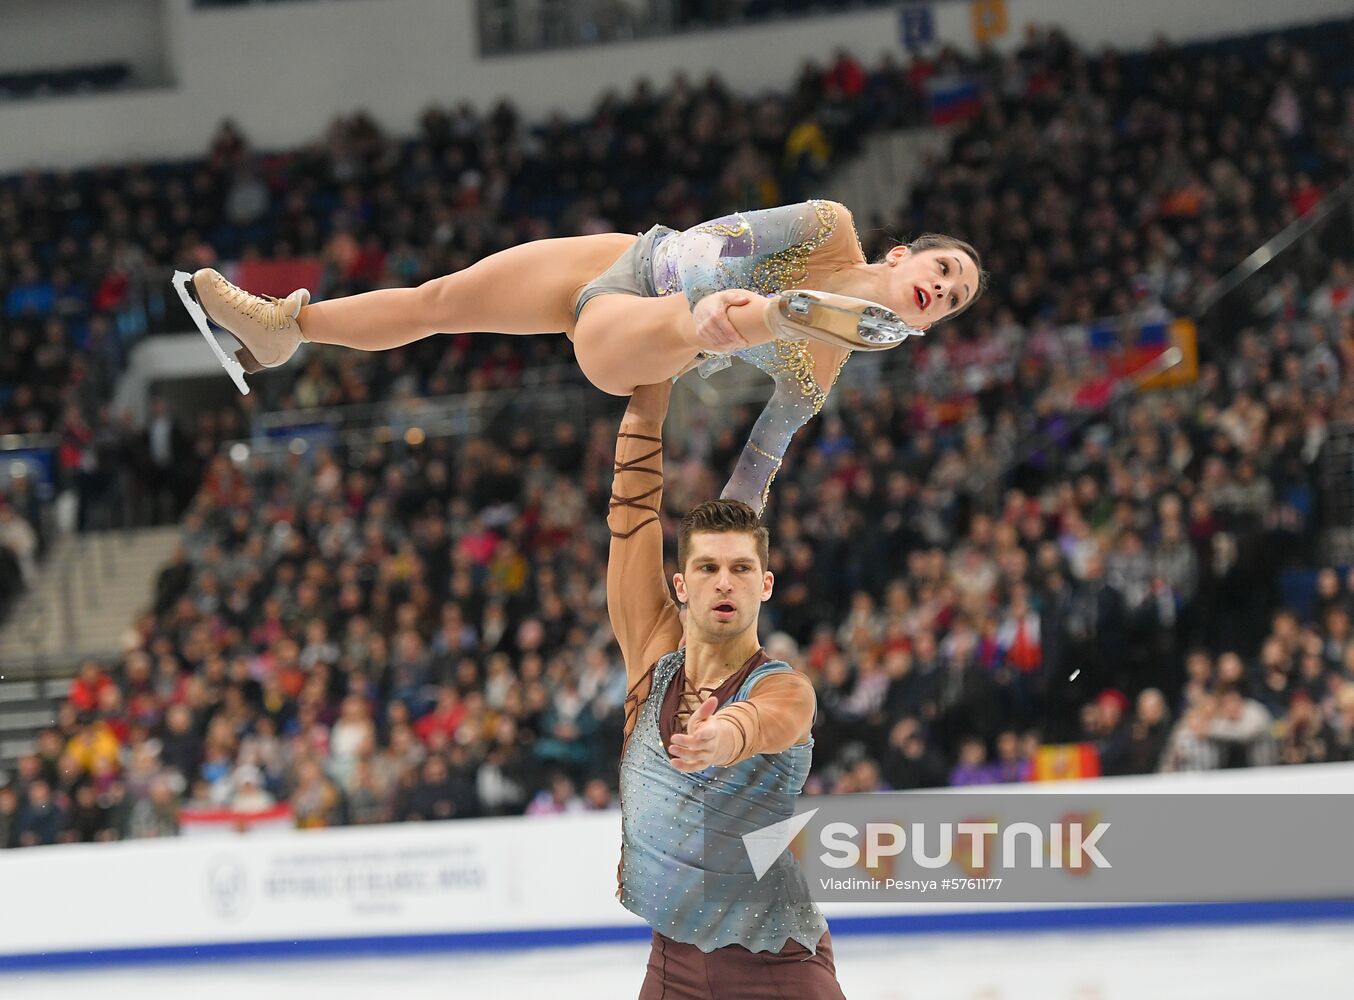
[710,663]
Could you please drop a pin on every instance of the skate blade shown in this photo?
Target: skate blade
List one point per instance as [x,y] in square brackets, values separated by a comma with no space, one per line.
[877,328]
[183,284]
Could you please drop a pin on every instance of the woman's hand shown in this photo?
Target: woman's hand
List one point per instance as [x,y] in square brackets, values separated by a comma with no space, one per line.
[715,331]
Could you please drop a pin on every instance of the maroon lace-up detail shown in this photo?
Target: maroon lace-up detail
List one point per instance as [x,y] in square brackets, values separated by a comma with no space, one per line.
[633,465]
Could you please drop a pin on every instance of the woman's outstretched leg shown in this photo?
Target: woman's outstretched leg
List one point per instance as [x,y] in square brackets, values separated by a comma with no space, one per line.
[621,341]
[524,289]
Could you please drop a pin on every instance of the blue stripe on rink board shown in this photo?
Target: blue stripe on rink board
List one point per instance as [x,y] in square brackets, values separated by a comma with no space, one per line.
[1009,921]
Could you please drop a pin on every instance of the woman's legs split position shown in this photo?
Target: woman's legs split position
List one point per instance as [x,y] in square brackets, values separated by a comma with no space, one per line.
[524,289]
[621,341]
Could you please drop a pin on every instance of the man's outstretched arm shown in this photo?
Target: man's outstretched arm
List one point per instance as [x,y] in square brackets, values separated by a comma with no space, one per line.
[777,715]
[643,614]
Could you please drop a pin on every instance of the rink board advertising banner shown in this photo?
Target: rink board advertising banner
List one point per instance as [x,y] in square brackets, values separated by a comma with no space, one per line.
[1055,848]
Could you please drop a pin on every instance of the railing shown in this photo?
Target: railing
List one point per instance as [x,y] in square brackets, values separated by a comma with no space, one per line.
[1341,198]
[545,395]
[1031,447]
[456,411]
[1229,305]
[898,372]
[71,568]
[1338,469]
[77,570]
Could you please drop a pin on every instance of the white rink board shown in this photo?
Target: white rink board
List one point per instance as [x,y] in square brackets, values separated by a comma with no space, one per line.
[514,876]
[401,879]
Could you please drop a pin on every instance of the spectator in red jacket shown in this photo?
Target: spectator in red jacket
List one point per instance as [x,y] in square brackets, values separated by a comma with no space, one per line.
[444,719]
[88,687]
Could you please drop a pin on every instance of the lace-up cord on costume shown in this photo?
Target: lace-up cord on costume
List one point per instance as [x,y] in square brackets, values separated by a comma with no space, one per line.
[633,466]
[692,698]
[633,701]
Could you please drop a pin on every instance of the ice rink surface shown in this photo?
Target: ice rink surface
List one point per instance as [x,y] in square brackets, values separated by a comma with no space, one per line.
[1269,962]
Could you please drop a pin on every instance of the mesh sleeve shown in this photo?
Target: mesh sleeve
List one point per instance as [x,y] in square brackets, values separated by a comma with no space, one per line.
[789,408]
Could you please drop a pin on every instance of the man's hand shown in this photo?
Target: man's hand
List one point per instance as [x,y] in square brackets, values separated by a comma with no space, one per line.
[649,403]
[714,329]
[708,741]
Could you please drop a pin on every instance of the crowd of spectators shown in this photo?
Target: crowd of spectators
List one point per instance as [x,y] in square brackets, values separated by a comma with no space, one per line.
[416,631]
[1095,184]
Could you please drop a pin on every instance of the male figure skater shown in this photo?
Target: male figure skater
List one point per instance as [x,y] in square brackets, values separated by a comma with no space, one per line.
[717,744]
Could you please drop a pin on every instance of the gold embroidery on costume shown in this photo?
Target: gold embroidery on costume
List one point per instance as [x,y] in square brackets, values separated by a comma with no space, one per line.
[840,365]
[766,490]
[786,269]
[723,228]
[793,358]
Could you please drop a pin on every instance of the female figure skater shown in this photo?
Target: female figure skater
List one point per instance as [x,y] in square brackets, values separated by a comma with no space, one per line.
[615,296]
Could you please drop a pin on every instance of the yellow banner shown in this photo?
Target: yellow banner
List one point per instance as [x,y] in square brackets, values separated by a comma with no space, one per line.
[1184,337]
[989,20]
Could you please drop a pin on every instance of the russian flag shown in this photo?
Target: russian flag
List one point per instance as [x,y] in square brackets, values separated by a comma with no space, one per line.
[952,98]
[1129,348]
[1151,341]
[1130,345]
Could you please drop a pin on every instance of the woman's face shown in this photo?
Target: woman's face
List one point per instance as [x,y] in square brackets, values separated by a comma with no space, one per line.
[927,286]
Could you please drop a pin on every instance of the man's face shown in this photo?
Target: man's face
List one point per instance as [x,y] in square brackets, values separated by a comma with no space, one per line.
[723,585]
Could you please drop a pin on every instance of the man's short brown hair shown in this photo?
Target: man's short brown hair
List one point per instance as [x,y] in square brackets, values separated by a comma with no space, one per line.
[717,517]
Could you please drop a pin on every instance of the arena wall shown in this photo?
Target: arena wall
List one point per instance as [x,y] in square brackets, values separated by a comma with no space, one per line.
[310,61]
[499,883]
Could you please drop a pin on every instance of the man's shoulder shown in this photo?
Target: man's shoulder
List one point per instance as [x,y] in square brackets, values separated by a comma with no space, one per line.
[780,672]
